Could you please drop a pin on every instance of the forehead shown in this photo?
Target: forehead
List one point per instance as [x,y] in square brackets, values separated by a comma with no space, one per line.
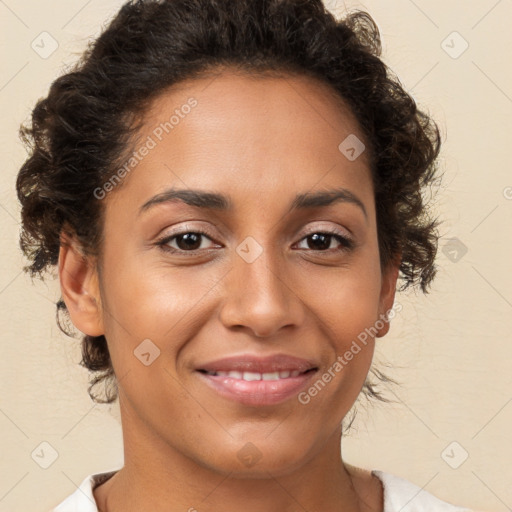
[265,99]
[255,135]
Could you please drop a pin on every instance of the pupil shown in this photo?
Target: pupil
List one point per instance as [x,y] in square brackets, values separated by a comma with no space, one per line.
[318,236]
[191,241]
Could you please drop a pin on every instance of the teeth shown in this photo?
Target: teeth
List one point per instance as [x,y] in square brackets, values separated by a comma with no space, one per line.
[270,376]
[249,376]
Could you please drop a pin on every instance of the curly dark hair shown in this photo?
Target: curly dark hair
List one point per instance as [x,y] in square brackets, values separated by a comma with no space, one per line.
[80,132]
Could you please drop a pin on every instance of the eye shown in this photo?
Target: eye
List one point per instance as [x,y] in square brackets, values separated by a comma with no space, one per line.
[186,241]
[320,241]
[191,241]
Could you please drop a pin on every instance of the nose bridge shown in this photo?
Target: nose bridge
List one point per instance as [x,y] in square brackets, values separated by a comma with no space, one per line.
[258,295]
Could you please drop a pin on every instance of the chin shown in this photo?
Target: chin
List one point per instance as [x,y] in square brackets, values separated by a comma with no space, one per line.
[258,461]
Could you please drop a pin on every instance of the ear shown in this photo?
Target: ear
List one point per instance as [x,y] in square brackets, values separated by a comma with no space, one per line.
[80,287]
[387,293]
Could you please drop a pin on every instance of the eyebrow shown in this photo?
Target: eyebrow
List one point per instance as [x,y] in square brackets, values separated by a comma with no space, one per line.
[220,202]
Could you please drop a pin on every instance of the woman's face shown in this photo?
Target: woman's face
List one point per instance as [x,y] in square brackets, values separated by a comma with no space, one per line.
[259,292]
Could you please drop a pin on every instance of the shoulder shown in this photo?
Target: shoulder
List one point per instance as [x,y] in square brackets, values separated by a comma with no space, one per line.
[401,494]
[82,500]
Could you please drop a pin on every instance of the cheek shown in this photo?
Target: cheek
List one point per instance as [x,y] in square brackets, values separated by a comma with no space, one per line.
[345,305]
[163,305]
[353,310]
[347,317]
[345,300]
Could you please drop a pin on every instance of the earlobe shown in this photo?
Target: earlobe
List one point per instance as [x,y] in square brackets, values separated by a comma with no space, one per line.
[79,287]
[387,296]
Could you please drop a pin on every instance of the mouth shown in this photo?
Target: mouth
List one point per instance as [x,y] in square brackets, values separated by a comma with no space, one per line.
[252,376]
[258,381]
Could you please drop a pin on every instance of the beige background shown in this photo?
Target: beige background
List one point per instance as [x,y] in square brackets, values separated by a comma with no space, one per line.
[452,349]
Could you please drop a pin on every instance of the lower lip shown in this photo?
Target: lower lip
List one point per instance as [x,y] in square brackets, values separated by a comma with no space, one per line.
[257,392]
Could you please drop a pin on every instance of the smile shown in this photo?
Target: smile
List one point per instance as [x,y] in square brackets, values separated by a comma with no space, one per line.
[257,389]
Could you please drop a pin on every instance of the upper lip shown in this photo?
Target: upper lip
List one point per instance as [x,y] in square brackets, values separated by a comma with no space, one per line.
[250,363]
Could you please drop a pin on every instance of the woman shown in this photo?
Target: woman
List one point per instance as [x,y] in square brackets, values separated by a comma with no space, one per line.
[182,178]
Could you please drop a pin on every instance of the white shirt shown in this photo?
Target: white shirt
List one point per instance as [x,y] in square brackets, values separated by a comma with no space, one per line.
[400,495]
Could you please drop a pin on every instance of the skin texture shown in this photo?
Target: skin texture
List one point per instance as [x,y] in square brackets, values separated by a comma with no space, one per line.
[261,141]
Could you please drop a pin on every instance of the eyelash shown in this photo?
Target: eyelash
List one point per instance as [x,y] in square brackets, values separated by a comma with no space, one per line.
[347,243]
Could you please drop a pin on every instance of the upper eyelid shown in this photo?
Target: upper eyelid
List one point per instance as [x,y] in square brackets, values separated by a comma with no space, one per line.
[194,229]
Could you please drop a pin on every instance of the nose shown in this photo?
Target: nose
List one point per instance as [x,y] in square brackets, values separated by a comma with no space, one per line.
[260,297]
